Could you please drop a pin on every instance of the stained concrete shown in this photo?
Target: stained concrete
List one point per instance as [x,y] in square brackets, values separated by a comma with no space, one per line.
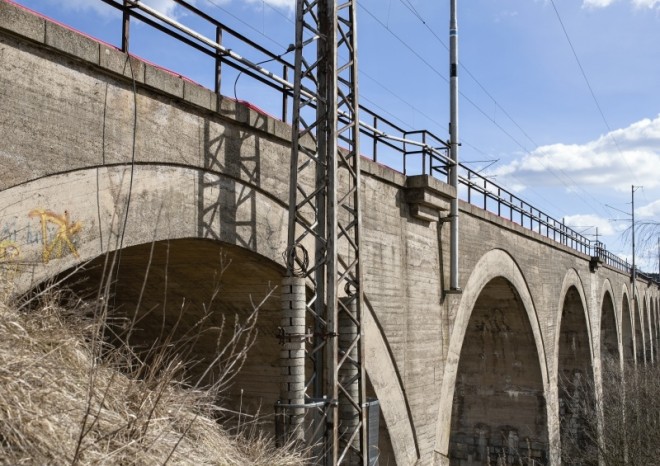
[201,167]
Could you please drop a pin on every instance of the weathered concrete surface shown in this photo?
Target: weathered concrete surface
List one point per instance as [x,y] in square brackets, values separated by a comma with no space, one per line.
[92,166]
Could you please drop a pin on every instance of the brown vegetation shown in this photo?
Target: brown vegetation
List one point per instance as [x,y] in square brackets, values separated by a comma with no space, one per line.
[630,429]
[69,397]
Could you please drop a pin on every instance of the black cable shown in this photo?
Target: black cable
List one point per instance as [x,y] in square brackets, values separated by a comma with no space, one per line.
[290,48]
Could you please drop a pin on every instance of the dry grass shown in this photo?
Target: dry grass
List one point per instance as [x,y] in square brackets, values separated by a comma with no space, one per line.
[68,398]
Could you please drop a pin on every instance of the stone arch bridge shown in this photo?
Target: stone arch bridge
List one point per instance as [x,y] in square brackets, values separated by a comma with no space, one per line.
[100,153]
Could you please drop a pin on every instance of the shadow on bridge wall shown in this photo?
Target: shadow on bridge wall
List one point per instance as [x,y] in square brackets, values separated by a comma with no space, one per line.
[226,213]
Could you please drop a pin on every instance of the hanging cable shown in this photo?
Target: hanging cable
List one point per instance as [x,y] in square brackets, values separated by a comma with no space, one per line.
[591,90]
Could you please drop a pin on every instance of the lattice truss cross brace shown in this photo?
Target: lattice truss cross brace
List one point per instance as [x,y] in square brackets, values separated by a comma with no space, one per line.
[324,217]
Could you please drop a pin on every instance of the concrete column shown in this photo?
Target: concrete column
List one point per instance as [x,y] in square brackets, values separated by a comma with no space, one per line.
[348,373]
[292,355]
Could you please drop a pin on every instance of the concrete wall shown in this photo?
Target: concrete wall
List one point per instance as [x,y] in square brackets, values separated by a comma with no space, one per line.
[105,153]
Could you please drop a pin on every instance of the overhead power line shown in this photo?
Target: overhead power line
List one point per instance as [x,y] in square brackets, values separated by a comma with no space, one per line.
[591,90]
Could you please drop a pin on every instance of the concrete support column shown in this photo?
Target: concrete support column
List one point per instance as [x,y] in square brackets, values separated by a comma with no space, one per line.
[292,355]
[348,372]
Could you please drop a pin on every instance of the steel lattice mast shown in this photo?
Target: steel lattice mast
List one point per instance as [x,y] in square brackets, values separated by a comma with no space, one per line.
[324,217]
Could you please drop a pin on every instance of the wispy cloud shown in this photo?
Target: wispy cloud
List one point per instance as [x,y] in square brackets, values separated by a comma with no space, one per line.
[597,3]
[285,4]
[590,224]
[651,210]
[605,3]
[646,3]
[617,160]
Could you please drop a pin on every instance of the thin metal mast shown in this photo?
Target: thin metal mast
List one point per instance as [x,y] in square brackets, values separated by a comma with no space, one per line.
[453,143]
[324,215]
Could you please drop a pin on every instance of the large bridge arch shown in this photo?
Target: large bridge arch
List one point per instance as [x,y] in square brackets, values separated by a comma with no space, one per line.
[609,324]
[648,330]
[496,268]
[627,340]
[574,366]
[572,299]
[638,331]
[178,208]
[113,207]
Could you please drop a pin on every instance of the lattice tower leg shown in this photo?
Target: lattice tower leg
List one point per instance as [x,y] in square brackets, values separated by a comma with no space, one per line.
[349,377]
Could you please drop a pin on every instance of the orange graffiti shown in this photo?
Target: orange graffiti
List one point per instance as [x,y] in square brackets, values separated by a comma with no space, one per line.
[63,236]
[9,250]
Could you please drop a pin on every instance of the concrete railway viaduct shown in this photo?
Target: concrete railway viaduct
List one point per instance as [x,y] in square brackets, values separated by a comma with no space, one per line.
[102,153]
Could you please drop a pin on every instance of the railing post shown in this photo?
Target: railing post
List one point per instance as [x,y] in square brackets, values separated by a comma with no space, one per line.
[218,61]
[469,187]
[424,154]
[375,142]
[285,94]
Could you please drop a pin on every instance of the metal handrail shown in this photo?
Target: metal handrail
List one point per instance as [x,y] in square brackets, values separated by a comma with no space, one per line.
[410,151]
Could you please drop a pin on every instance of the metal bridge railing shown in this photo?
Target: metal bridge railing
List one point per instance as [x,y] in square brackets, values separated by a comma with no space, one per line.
[410,152]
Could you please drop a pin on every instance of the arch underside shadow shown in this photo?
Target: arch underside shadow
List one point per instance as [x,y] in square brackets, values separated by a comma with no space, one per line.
[193,292]
[576,388]
[499,405]
[609,342]
[495,313]
[628,343]
[640,350]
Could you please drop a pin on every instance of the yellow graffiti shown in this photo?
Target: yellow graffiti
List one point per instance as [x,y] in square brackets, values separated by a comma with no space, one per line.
[9,250]
[63,236]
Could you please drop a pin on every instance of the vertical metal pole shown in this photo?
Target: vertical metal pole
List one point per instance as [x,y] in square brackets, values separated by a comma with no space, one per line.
[634,269]
[125,29]
[218,61]
[453,142]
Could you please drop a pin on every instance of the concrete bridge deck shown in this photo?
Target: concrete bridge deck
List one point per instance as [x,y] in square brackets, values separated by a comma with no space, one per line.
[101,152]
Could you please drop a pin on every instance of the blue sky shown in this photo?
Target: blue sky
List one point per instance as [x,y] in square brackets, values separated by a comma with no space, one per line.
[570,145]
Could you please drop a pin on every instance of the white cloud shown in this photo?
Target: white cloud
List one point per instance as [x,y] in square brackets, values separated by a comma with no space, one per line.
[646,3]
[605,3]
[589,224]
[651,210]
[597,3]
[287,4]
[618,159]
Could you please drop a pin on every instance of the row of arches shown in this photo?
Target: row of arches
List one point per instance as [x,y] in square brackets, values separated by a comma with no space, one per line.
[519,383]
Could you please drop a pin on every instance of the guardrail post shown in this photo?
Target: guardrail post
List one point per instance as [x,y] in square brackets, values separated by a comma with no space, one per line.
[375,140]
[285,94]
[218,61]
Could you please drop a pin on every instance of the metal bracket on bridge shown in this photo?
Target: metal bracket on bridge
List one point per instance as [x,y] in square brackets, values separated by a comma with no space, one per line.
[594,263]
[285,337]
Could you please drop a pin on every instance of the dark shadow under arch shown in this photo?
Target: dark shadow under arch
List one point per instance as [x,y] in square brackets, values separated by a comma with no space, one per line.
[191,288]
[499,408]
[575,378]
[609,343]
[626,333]
[640,350]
